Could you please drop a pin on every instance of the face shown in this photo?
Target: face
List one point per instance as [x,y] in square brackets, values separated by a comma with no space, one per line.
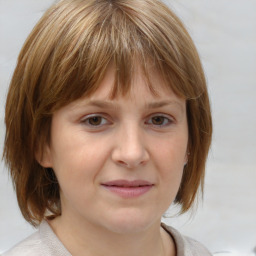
[119,162]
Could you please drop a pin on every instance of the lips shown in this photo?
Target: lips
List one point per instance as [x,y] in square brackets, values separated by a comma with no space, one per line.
[128,189]
[126,183]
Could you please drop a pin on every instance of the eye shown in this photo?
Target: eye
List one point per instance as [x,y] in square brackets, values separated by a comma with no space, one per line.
[159,120]
[95,121]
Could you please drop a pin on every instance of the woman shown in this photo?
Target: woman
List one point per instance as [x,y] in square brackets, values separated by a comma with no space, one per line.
[111,124]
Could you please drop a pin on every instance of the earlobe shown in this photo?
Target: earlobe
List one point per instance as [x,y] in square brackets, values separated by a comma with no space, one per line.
[43,157]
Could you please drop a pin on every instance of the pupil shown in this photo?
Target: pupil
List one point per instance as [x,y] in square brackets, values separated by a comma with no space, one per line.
[158,120]
[96,120]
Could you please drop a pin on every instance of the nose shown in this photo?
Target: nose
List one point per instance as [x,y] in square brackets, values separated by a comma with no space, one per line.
[130,150]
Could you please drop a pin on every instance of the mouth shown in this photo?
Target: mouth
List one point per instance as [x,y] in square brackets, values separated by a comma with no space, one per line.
[128,189]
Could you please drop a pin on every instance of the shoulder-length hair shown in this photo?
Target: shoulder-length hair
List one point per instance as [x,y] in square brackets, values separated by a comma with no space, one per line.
[66,56]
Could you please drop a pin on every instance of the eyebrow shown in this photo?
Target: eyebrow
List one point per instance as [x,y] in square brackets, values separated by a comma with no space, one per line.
[159,104]
[101,104]
[151,105]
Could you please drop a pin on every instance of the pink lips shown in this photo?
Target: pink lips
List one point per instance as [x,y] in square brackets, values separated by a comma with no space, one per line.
[128,189]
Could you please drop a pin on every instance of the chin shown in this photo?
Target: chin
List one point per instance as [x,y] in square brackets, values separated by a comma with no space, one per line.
[131,221]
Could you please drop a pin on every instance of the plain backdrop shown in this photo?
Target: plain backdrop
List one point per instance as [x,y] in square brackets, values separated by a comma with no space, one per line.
[224,32]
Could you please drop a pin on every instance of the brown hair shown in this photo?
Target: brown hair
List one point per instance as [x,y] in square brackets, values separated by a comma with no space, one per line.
[66,56]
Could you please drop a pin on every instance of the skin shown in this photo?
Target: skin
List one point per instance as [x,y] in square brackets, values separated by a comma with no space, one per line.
[95,140]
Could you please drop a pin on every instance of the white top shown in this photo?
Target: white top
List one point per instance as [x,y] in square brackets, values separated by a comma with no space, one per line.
[44,242]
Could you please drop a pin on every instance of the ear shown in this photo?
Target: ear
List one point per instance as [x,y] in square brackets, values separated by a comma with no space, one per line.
[43,156]
[186,158]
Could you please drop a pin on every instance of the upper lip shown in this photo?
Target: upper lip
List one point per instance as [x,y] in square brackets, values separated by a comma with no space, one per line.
[127,183]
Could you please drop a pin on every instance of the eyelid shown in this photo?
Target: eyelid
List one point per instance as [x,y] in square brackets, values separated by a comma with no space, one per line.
[170,119]
[85,118]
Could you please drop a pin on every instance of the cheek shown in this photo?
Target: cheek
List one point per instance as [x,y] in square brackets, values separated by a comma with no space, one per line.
[172,151]
[169,159]
[78,159]
[169,163]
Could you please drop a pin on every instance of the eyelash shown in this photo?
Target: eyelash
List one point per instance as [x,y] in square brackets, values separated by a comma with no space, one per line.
[166,121]
[87,119]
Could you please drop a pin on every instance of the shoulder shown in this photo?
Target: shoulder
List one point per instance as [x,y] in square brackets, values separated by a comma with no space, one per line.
[29,246]
[186,246]
[42,243]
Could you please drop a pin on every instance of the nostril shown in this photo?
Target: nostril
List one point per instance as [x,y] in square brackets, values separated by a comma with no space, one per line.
[122,163]
[130,157]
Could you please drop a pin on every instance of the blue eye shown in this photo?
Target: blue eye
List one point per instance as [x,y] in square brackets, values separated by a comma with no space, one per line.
[159,120]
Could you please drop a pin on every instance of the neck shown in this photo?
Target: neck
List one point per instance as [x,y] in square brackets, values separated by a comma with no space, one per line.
[93,240]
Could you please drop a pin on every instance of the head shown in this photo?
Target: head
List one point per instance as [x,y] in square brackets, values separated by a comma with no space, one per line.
[67,56]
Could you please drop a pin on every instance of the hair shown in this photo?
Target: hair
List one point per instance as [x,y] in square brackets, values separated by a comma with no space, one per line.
[65,58]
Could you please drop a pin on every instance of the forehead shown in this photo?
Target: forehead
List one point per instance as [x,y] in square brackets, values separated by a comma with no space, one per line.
[139,96]
[151,85]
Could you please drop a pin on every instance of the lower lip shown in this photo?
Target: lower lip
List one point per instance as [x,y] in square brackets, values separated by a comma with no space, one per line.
[128,192]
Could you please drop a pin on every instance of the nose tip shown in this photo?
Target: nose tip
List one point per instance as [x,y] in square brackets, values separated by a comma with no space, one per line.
[130,152]
[130,164]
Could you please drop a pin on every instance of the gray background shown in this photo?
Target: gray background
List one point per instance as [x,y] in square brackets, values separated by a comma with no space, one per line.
[225,34]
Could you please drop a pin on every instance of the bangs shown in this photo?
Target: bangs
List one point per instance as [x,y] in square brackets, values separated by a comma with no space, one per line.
[88,38]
